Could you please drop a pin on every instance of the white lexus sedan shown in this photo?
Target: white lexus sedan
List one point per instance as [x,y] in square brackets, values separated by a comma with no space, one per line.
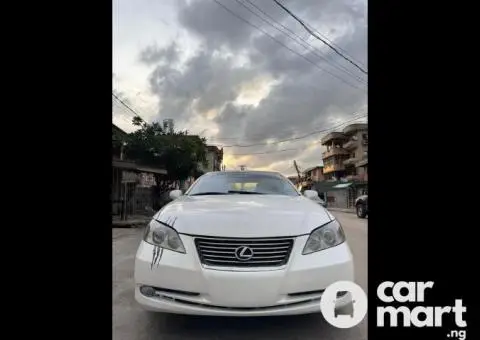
[241,243]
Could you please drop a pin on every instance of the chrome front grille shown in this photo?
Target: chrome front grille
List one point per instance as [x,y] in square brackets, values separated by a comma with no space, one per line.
[227,252]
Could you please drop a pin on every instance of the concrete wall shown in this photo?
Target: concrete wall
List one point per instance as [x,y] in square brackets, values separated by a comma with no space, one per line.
[316,174]
[337,199]
[360,151]
[360,148]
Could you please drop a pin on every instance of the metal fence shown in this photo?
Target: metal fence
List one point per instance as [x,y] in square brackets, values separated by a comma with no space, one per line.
[128,197]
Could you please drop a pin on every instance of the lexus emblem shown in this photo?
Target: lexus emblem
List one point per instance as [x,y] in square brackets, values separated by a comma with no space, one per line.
[243,253]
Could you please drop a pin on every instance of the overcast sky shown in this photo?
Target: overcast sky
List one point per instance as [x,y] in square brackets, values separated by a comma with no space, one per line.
[220,77]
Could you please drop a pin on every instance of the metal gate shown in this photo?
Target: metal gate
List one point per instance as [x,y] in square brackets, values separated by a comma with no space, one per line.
[128,197]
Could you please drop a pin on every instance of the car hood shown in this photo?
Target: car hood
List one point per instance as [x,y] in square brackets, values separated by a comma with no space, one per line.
[244,215]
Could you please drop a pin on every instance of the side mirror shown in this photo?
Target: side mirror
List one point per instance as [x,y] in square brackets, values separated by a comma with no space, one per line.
[312,194]
[174,194]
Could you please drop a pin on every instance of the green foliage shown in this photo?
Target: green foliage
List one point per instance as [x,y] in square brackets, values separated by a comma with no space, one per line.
[118,138]
[137,121]
[177,152]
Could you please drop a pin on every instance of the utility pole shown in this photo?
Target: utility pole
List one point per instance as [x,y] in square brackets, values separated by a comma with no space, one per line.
[300,179]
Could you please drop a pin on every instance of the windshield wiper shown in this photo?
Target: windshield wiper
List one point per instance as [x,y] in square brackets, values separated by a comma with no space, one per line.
[245,192]
[209,193]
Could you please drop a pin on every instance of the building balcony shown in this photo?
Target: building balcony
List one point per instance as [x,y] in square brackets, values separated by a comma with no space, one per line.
[350,145]
[334,152]
[353,128]
[360,163]
[362,177]
[333,137]
[350,161]
[334,167]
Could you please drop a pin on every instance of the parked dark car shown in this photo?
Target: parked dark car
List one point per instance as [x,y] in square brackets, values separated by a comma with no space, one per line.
[361,204]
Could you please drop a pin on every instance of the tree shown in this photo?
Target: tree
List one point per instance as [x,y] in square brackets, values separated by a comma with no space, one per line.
[177,152]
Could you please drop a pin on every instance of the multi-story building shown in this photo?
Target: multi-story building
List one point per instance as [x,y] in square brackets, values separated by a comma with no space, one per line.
[315,173]
[357,145]
[133,183]
[347,153]
[335,155]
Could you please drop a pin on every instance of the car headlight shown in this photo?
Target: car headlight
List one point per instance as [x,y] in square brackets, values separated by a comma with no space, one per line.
[163,236]
[324,237]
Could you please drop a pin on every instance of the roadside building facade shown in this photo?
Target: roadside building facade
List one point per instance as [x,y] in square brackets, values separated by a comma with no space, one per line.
[132,186]
[315,173]
[334,156]
[214,157]
[356,166]
[346,156]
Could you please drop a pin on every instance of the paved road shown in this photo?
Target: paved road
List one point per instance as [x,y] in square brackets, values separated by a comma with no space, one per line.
[130,322]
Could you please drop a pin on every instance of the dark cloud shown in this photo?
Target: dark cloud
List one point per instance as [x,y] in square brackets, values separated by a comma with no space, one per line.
[232,120]
[205,81]
[210,22]
[154,54]
[304,98]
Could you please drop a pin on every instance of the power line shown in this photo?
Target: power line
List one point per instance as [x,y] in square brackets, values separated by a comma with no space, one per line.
[338,47]
[282,44]
[261,137]
[261,144]
[299,37]
[320,38]
[296,138]
[127,106]
[305,44]
[293,149]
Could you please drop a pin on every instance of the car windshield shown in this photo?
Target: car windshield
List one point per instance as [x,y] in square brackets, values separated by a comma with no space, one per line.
[224,183]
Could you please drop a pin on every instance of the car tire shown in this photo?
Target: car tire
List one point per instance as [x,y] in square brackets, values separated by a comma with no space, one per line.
[361,210]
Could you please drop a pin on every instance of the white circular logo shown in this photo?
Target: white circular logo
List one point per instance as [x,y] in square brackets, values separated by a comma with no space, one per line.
[344,304]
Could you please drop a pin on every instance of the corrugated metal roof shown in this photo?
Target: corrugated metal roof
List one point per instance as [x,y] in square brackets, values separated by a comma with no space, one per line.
[342,185]
[134,167]
[124,164]
[152,170]
[326,186]
[313,167]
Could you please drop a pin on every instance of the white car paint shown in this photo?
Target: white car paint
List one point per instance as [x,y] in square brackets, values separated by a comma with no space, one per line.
[244,215]
[234,290]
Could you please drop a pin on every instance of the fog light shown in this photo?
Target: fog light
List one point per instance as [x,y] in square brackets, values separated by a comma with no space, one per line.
[147,291]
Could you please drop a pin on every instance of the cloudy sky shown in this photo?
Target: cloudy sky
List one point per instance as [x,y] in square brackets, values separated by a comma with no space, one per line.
[241,84]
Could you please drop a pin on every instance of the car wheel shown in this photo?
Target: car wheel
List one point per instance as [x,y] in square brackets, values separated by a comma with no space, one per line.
[361,211]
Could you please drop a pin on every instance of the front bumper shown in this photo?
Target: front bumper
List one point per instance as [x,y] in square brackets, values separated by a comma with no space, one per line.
[188,287]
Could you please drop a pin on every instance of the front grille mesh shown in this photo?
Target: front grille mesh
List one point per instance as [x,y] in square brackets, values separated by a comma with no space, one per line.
[267,252]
